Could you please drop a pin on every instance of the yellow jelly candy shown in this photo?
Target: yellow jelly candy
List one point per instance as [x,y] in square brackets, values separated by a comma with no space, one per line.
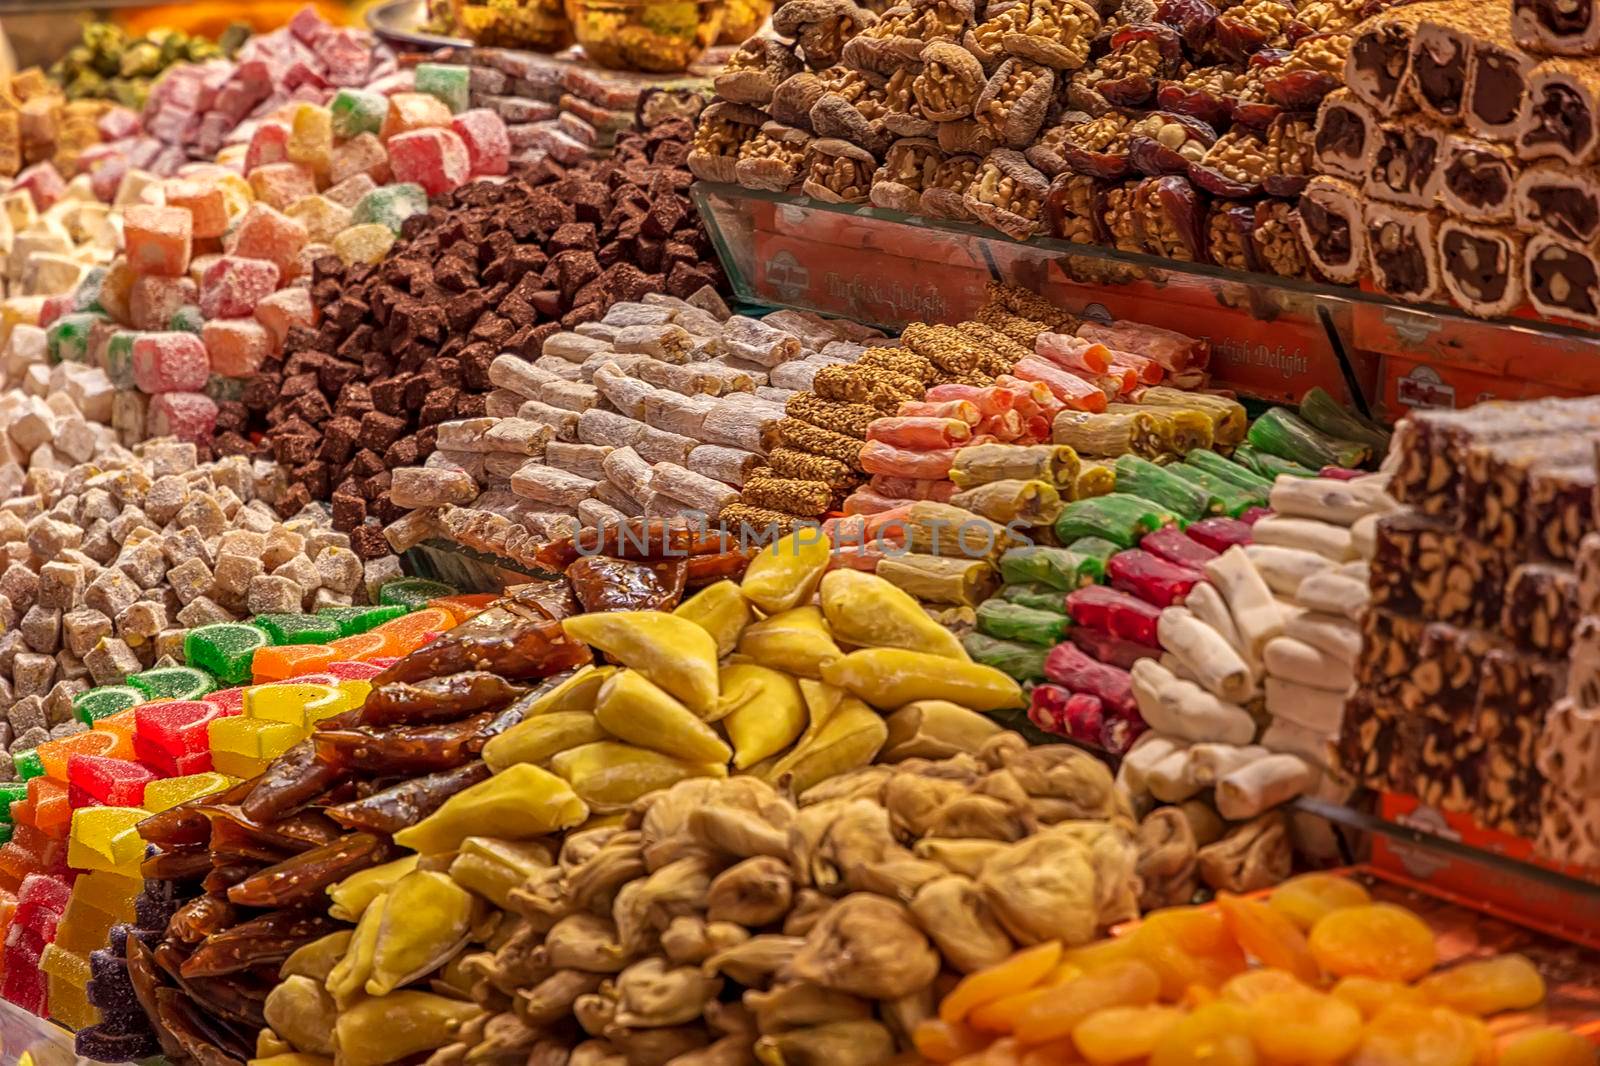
[252,738]
[105,838]
[165,793]
[1377,940]
[297,703]
[367,243]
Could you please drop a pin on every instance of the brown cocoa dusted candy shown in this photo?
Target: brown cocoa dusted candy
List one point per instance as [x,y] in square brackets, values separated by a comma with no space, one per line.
[1171,218]
[1277,238]
[1069,208]
[1478,179]
[1054,33]
[948,82]
[1555,198]
[1403,246]
[820,28]
[1008,194]
[838,172]
[723,129]
[1406,162]
[1497,87]
[1441,54]
[1541,608]
[1562,279]
[1570,28]
[1013,105]
[1380,58]
[1207,93]
[1332,229]
[1141,57]
[1247,27]
[1342,141]
[1166,143]
[908,169]
[1482,267]
[1561,119]
[945,194]
[754,72]
[1313,69]
[773,158]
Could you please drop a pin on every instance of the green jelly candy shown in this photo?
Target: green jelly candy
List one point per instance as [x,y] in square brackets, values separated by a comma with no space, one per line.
[173,683]
[356,111]
[86,297]
[187,319]
[1024,662]
[28,764]
[1059,568]
[1012,621]
[225,649]
[298,628]
[6,829]
[98,703]
[353,620]
[11,792]
[119,358]
[67,339]
[448,82]
[1035,594]
[413,592]
[223,389]
[390,205]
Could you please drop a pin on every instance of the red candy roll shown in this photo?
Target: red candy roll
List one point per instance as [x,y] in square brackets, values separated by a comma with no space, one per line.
[1114,612]
[1175,546]
[921,433]
[1067,387]
[1220,533]
[880,458]
[1151,578]
[1068,665]
[1148,371]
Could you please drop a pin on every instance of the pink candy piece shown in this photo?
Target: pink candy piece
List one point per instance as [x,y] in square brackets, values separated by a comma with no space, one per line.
[190,416]
[432,158]
[118,123]
[264,233]
[233,286]
[152,300]
[236,346]
[54,307]
[488,145]
[42,181]
[281,184]
[284,310]
[159,239]
[361,154]
[169,362]
[270,144]
[208,210]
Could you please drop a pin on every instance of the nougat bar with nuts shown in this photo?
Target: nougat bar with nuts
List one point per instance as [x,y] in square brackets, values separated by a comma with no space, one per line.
[1495,484]
[1422,566]
[1541,608]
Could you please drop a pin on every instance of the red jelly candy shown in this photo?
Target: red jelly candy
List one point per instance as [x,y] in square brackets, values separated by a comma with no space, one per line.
[1068,665]
[41,894]
[194,762]
[1114,612]
[231,700]
[1110,649]
[354,671]
[24,982]
[1151,578]
[1175,546]
[113,782]
[1075,715]
[1220,533]
[177,727]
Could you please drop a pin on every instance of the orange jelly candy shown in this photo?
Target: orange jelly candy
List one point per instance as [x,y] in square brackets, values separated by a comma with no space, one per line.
[53,754]
[50,810]
[1378,940]
[291,660]
[360,647]
[409,632]
[464,606]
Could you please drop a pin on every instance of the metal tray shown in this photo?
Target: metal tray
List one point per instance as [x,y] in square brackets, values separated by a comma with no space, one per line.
[399,23]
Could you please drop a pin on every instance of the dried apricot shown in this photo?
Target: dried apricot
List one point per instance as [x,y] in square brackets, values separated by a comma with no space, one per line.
[1369,995]
[1118,1034]
[1003,1052]
[1304,1026]
[1376,940]
[1122,984]
[1056,1053]
[1017,974]
[1101,953]
[1486,986]
[1001,1015]
[1304,900]
[939,1041]
[1549,1047]
[1188,946]
[1217,1034]
[1253,984]
[1268,936]
[1417,1036]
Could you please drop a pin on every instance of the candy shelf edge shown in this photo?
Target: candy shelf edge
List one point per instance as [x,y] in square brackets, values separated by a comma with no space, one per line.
[43,1042]
[1272,337]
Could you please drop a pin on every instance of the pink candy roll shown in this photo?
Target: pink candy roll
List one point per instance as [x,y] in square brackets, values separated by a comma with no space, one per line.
[880,458]
[912,489]
[1069,388]
[919,432]
[965,410]
[1074,353]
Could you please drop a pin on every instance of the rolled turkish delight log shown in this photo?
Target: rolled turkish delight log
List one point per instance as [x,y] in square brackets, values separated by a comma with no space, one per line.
[626,394]
[697,490]
[1441,54]
[940,579]
[658,446]
[628,471]
[585,460]
[1334,230]
[1346,129]
[559,368]
[1560,200]
[1405,166]
[1541,608]
[1482,267]
[1478,179]
[546,484]
[1497,86]
[677,413]
[569,395]
[1379,62]
[593,513]
[1569,828]
[563,422]
[742,422]
[1562,280]
[731,465]
[1403,250]
[611,496]
[1561,116]
[1561,28]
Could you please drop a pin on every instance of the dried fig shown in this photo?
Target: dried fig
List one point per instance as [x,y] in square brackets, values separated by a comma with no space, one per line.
[949,81]
[772,159]
[838,172]
[1008,194]
[754,72]
[908,168]
[867,946]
